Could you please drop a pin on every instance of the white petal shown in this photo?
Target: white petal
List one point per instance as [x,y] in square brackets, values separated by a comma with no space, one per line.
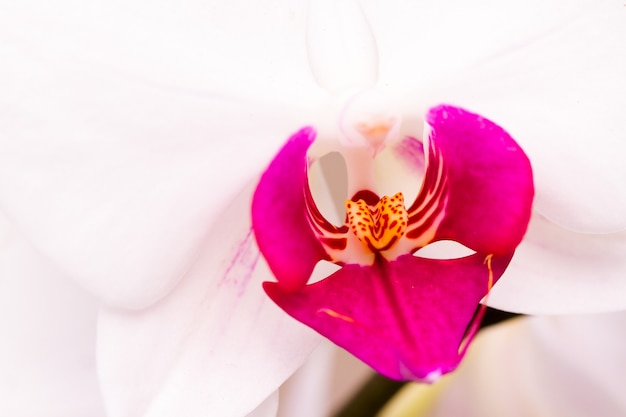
[555,271]
[341,47]
[48,323]
[421,44]
[307,392]
[554,366]
[267,408]
[324,384]
[117,181]
[560,93]
[121,202]
[113,161]
[215,346]
[239,46]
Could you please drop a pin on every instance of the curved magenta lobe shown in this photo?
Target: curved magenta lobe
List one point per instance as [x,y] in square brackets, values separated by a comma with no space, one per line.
[487,181]
[279,214]
[405,318]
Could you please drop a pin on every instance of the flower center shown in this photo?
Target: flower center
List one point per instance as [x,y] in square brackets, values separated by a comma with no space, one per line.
[380,227]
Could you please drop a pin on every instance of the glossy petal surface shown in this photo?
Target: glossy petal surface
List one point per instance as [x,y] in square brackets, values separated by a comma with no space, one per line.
[487,181]
[405,318]
[215,346]
[279,214]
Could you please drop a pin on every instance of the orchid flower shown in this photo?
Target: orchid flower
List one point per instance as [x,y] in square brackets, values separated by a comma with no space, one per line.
[405,315]
[133,135]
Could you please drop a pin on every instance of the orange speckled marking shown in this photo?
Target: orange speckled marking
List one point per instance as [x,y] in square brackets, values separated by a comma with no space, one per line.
[381,227]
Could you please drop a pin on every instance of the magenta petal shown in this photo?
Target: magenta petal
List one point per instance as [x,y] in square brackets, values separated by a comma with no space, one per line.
[488,178]
[279,214]
[405,318]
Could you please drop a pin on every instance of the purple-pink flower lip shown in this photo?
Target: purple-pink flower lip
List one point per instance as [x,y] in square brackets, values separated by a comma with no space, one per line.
[408,317]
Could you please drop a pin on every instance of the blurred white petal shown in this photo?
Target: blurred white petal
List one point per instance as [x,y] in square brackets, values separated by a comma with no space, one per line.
[307,392]
[554,366]
[555,271]
[423,43]
[215,346]
[340,44]
[190,44]
[117,180]
[267,408]
[48,337]
[329,378]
